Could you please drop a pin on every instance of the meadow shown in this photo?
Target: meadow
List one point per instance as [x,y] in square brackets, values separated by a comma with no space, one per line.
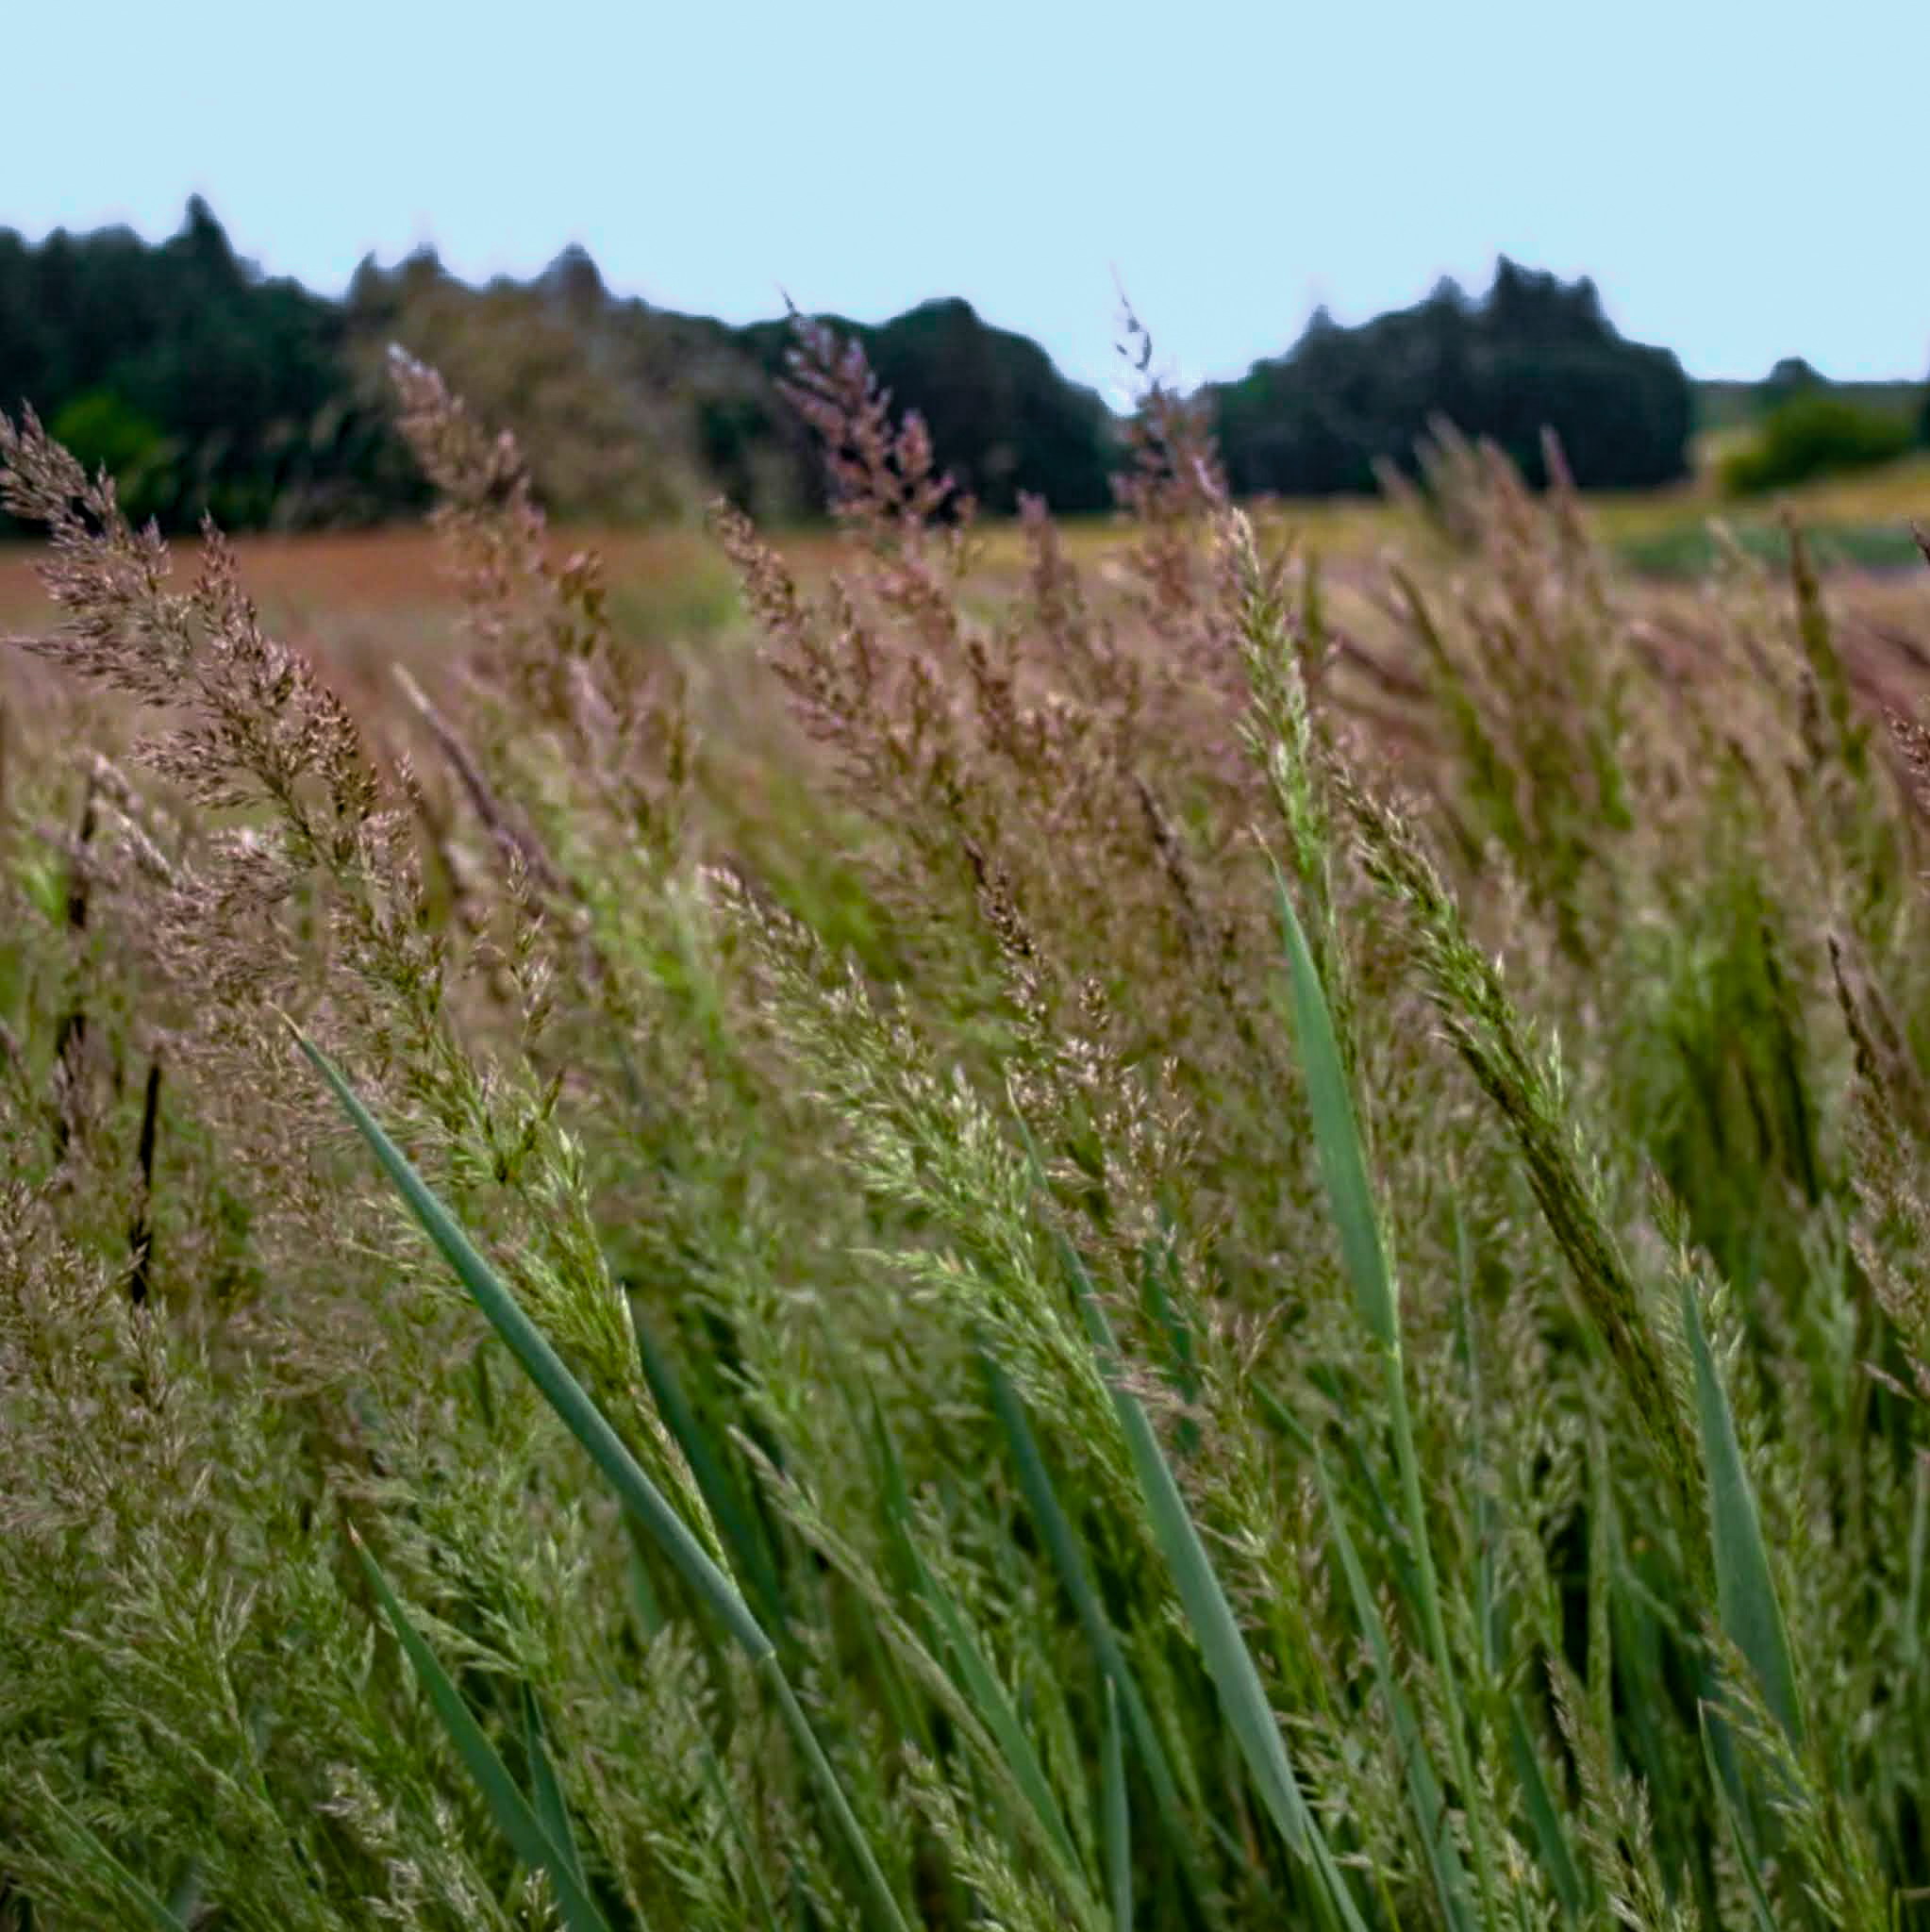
[1209,1221]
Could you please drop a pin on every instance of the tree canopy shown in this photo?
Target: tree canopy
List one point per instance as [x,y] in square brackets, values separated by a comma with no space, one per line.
[1534,353]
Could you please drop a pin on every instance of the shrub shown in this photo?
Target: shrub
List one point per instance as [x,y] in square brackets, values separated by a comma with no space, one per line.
[105,431]
[1814,434]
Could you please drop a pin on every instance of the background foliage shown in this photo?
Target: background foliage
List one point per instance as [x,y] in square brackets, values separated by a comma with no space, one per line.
[212,389]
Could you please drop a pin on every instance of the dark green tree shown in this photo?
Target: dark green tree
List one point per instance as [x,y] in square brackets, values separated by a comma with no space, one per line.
[1792,377]
[1003,420]
[230,390]
[1536,354]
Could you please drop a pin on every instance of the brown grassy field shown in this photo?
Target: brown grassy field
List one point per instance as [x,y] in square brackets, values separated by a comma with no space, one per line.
[339,582]
[360,574]
[363,602]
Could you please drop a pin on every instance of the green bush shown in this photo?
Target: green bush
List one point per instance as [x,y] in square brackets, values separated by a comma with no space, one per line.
[105,430]
[1814,434]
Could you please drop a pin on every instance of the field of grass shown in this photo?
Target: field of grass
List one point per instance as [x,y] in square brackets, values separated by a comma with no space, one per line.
[1101,1228]
[356,586]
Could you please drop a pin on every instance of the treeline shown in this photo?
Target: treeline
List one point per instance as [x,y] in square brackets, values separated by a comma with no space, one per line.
[209,388]
[1535,353]
[630,410]
[203,386]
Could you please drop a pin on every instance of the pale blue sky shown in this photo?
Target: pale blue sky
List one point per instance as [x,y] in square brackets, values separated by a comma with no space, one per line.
[1743,181]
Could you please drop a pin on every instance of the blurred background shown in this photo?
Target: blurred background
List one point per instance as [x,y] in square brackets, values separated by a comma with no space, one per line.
[1680,241]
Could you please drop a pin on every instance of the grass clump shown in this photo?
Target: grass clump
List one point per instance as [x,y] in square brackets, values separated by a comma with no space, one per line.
[1189,1242]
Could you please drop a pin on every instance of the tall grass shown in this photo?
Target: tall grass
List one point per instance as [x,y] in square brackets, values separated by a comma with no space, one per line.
[1186,1241]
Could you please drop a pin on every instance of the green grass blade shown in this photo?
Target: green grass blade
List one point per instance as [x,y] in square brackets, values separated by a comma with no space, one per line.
[1336,1133]
[1919,1536]
[880,1902]
[1746,1600]
[634,1489]
[894,1492]
[1181,1370]
[1599,1680]
[984,1694]
[1062,1545]
[1350,1194]
[184,1896]
[155,1910]
[988,1697]
[722,1495]
[1557,1856]
[1738,1836]
[1424,1792]
[1115,1816]
[546,1369]
[552,1811]
[908,1709]
[1242,1697]
[733,1808]
[529,1838]
[1068,1559]
[1643,1632]
[1487,1531]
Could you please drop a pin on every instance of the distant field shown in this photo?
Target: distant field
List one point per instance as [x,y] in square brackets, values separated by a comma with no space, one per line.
[340,586]
[376,571]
